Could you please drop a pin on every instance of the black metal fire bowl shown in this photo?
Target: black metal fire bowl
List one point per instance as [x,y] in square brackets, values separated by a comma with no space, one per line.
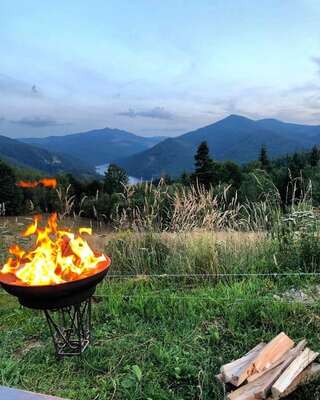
[67,307]
[55,296]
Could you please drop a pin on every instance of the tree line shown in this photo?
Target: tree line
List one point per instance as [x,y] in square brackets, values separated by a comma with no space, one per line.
[291,175]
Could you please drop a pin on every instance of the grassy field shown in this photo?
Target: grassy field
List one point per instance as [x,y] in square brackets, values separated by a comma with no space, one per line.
[164,331]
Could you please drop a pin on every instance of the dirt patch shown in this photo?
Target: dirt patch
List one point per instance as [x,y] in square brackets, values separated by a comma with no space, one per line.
[305,295]
[28,346]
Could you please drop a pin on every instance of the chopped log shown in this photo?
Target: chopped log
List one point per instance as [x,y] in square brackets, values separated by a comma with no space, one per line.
[272,352]
[269,354]
[233,370]
[293,353]
[308,375]
[260,388]
[293,370]
[256,389]
[287,360]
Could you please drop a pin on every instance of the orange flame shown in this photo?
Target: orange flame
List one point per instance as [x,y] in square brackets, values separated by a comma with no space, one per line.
[47,182]
[58,256]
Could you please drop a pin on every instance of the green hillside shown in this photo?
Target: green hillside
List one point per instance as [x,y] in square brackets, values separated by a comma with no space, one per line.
[96,147]
[25,155]
[234,138]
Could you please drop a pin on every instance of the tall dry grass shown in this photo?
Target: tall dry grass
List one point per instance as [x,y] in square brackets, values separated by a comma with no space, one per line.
[187,209]
[146,207]
[194,252]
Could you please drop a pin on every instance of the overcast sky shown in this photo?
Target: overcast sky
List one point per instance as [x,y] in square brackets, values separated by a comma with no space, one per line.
[155,67]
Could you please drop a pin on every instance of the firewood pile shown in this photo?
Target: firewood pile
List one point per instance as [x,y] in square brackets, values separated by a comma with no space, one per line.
[270,370]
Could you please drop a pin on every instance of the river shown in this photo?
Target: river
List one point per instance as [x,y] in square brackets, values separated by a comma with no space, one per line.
[101,169]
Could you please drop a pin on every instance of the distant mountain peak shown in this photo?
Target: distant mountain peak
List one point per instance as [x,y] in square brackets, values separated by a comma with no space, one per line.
[234,120]
[235,138]
[236,117]
[96,147]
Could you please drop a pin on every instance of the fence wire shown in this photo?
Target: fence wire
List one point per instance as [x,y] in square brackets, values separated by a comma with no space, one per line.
[231,300]
[213,275]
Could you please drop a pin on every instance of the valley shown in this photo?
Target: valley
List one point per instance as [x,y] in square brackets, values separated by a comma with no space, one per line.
[101,169]
[235,138]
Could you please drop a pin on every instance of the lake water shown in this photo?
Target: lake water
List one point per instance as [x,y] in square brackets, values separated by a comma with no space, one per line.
[101,169]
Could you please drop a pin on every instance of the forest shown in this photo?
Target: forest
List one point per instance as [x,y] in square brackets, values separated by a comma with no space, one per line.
[284,181]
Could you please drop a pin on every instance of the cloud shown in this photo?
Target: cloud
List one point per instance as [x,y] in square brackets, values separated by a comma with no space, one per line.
[156,113]
[316,60]
[37,122]
[11,86]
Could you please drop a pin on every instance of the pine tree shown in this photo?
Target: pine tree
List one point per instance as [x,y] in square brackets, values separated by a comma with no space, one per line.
[231,173]
[115,179]
[185,178]
[297,163]
[10,195]
[263,158]
[204,167]
[314,156]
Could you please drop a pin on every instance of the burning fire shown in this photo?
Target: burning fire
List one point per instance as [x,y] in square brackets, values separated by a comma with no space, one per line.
[58,256]
[47,182]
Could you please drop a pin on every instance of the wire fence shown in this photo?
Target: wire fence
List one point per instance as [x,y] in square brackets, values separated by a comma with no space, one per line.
[214,275]
[230,300]
[170,294]
[213,298]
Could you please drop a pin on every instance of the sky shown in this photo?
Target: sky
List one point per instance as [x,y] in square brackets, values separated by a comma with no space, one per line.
[155,67]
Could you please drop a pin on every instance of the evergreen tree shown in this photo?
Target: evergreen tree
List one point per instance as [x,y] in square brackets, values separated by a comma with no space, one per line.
[230,173]
[314,156]
[202,158]
[263,158]
[296,164]
[204,167]
[10,195]
[185,178]
[115,179]
[92,187]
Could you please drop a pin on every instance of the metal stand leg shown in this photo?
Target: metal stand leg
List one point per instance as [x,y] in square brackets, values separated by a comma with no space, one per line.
[70,328]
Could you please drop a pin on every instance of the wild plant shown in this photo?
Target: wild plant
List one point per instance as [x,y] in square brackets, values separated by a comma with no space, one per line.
[2,209]
[182,209]
[66,200]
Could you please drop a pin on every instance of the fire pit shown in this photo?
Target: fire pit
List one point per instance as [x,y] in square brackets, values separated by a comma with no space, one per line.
[59,276]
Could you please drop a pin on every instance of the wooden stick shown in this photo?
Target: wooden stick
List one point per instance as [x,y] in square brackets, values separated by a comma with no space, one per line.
[234,369]
[257,388]
[272,352]
[293,370]
[268,355]
[260,388]
[311,373]
[291,353]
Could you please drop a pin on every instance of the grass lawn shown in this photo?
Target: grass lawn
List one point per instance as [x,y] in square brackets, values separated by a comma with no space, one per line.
[164,338]
[153,342]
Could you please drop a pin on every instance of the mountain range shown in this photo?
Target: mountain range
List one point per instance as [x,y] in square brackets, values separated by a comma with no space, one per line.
[96,147]
[235,138]
[31,157]
[77,153]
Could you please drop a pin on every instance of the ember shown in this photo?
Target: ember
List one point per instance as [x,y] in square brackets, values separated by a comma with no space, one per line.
[58,256]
